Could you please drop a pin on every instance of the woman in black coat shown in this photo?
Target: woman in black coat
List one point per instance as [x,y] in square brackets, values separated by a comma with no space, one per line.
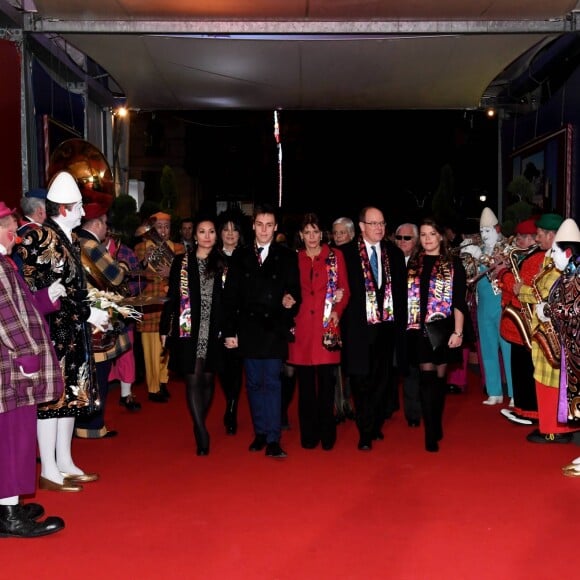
[230,238]
[190,323]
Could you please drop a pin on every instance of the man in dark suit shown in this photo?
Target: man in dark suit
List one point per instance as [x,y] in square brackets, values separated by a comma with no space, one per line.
[373,323]
[261,298]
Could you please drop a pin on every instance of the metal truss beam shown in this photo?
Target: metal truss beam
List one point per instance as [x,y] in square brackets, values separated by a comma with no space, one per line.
[35,24]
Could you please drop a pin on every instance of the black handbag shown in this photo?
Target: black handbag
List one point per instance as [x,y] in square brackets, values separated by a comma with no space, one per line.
[439,330]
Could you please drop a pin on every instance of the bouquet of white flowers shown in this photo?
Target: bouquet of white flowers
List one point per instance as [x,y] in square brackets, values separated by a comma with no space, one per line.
[113,304]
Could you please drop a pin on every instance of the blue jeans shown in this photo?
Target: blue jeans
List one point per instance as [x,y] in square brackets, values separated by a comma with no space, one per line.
[265,395]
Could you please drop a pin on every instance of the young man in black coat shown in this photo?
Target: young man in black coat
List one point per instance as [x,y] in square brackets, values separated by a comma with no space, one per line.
[374,324]
[261,298]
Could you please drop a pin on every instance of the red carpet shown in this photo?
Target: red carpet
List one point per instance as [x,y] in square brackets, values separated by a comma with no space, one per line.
[488,505]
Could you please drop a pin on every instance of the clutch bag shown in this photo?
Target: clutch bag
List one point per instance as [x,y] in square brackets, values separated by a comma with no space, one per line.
[438,331]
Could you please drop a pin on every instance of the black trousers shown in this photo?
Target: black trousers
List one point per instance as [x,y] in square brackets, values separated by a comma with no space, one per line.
[370,391]
[411,396]
[231,374]
[524,385]
[316,405]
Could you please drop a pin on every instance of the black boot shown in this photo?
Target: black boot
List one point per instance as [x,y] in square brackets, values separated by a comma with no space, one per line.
[32,511]
[429,408]
[14,523]
[440,394]
[231,417]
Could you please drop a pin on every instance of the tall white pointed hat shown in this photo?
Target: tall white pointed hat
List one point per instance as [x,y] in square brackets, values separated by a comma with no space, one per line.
[488,219]
[63,188]
[568,232]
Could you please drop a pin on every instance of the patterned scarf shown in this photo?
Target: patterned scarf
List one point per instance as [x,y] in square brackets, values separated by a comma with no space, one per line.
[372,307]
[330,287]
[184,305]
[440,293]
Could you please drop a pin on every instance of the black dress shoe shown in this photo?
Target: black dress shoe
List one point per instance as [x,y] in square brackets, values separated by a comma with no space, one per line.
[109,434]
[537,437]
[454,389]
[91,434]
[378,436]
[327,446]
[14,524]
[431,447]
[258,443]
[163,390]
[364,445]
[157,397]
[130,403]
[32,511]
[413,423]
[202,451]
[274,450]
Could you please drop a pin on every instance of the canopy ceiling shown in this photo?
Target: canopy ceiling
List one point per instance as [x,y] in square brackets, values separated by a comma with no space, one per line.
[303,54]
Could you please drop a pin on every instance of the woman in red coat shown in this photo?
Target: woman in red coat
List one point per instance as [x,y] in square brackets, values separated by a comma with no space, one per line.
[315,352]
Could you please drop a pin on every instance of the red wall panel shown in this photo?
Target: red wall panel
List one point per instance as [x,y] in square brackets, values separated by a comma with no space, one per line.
[10,133]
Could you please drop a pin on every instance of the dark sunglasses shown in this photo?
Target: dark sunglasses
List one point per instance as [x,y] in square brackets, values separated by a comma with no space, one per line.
[406,238]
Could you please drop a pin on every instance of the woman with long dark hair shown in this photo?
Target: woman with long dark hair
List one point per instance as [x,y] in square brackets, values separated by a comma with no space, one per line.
[230,237]
[190,323]
[436,286]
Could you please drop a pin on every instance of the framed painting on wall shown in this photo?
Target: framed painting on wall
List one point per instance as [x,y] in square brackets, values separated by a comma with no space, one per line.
[546,163]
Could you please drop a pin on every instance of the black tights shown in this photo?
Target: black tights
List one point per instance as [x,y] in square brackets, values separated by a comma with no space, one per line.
[199,388]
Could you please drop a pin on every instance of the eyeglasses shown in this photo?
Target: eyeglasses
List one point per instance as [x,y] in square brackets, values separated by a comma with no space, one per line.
[375,224]
[406,238]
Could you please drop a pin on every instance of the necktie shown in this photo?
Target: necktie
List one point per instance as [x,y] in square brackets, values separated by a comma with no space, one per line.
[375,264]
[259,254]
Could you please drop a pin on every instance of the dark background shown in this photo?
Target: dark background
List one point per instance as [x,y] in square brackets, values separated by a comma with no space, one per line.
[335,162]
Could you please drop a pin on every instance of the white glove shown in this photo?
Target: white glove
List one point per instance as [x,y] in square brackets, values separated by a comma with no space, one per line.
[56,290]
[472,250]
[99,319]
[540,312]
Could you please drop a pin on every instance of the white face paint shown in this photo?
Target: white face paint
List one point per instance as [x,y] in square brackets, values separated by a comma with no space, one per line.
[489,236]
[559,257]
[72,217]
